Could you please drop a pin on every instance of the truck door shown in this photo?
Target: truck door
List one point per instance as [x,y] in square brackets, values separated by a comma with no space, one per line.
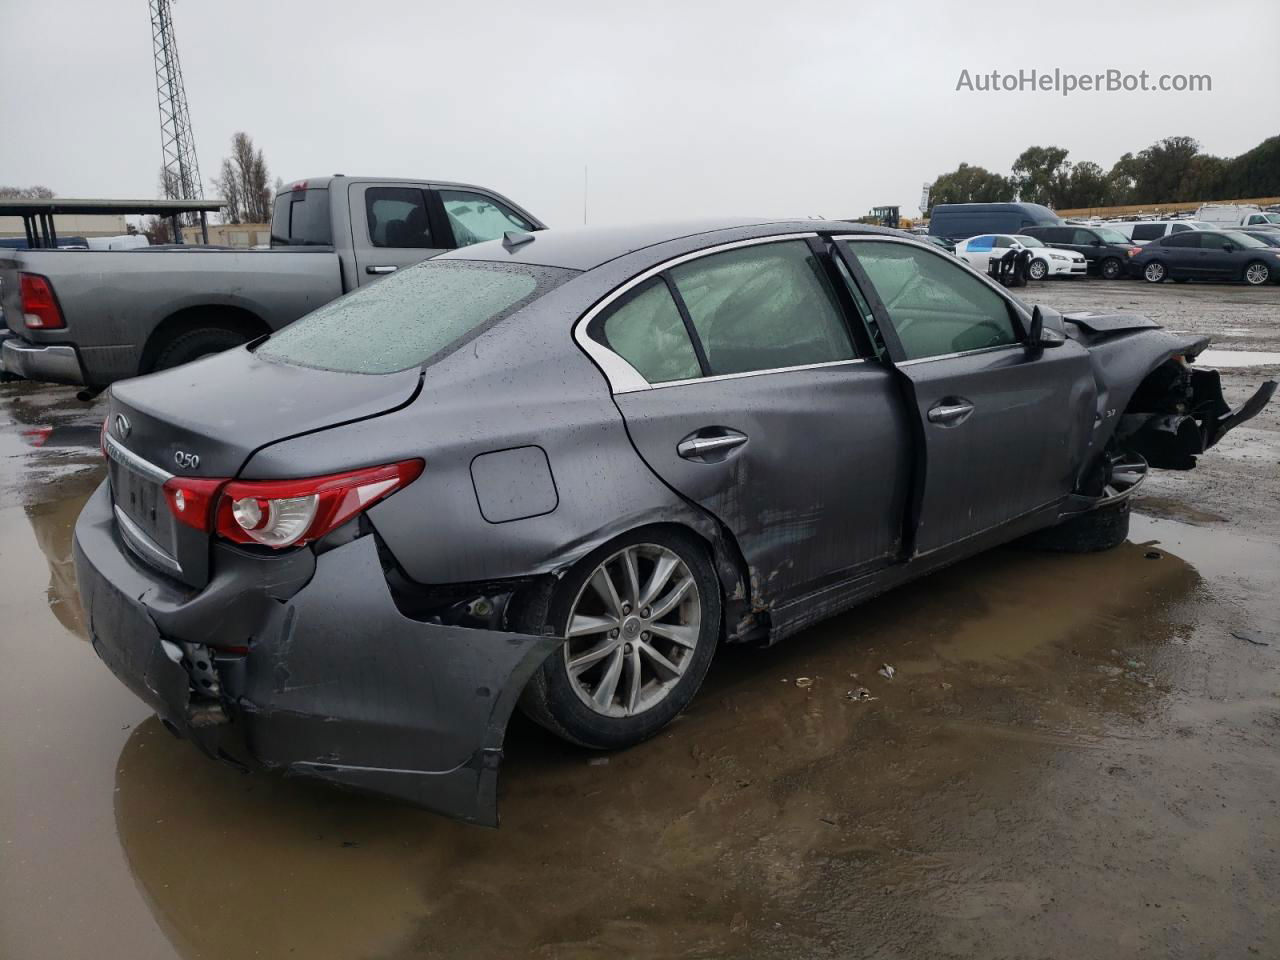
[391,228]
[1005,431]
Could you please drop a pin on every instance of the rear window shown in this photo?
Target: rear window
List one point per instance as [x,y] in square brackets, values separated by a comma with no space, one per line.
[411,316]
[300,218]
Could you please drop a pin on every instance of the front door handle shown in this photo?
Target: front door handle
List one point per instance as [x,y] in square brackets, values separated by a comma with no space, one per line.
[380,268]
[950,413]
[697,447]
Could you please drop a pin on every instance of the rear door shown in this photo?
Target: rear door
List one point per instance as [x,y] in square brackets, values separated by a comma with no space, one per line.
[1005,430]
[1180,253]
[743,389]
[977,252]
[392,227]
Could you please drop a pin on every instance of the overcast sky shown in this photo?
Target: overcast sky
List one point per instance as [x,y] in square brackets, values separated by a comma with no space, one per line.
[677,109]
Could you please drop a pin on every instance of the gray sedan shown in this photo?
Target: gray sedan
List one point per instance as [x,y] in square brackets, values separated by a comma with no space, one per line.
[557,471]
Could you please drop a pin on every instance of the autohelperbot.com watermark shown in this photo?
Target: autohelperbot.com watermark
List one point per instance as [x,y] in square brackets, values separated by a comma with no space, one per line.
[1065,82]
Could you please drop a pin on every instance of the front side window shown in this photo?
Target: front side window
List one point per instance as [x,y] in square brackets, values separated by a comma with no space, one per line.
[936,306]
[410,317]
[763,307]
[397,217]
[646,330]
[1082,238]
[476,218]
[1003,243]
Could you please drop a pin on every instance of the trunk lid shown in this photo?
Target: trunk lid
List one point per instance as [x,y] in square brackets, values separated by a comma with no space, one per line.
[205,419]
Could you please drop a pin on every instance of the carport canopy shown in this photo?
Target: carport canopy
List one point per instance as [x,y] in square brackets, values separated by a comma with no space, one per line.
[37,215]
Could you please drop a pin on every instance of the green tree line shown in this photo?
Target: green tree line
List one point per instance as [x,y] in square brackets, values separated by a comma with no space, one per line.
[1172,170]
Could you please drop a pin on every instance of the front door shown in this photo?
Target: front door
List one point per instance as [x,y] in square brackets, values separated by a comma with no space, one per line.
[752,401]
[391,228]
[1005,430]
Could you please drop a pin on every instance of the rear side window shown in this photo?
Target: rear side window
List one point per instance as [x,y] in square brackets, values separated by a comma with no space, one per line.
[397,217]
[980,244]
[1190,239]
[300,218]
[1148,231]
[936,305]
[646,330]
[476,218]
[762,308]
[411,316]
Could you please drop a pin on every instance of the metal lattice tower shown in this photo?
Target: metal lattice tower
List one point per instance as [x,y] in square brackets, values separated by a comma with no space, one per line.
[181,173]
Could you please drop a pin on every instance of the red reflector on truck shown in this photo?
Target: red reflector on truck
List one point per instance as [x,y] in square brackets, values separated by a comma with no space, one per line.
[40,309]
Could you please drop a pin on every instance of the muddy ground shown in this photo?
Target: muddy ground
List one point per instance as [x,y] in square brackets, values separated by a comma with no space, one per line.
[1077,757]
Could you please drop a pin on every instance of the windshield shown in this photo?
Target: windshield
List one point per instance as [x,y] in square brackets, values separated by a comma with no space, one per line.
[1111,236]
[300,218]
[410,317]
[1030,241]
[1243,239]
[1271,217]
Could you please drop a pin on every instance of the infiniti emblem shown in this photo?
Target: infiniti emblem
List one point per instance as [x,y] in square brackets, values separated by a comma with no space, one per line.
[122,426]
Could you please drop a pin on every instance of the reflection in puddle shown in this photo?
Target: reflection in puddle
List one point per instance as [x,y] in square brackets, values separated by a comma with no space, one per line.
[53,522]
[767,804]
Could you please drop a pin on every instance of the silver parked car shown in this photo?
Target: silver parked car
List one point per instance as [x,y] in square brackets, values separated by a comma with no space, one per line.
[557,470]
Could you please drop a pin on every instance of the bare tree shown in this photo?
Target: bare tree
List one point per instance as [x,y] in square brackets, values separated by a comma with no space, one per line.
[26,193]
[244,183]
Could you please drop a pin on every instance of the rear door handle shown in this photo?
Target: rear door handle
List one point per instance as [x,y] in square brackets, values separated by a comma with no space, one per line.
[381,268]
[949,413]
[695,447]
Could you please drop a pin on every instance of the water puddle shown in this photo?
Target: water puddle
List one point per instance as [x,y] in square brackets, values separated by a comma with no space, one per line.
[1232,359]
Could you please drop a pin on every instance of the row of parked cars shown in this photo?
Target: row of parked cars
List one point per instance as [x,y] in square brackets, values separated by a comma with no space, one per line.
[1155,250]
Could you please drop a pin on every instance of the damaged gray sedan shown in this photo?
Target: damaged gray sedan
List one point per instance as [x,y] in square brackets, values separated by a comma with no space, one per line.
[556,471]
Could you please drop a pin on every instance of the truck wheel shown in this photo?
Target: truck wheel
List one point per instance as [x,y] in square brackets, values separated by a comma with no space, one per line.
[1092,532]
[194,344]
[642,617]
[1112,269]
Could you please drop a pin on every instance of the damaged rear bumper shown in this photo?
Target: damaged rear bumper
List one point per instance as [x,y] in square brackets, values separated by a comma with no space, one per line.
[336,684]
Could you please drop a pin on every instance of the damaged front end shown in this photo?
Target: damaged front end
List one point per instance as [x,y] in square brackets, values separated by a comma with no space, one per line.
[315,670]
[1178,412]
[1153,401]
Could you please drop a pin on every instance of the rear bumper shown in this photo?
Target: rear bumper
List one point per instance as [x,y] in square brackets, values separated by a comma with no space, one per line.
[337,683]
[55,364]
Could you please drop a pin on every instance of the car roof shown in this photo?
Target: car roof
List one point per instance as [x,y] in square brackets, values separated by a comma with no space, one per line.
[584,248]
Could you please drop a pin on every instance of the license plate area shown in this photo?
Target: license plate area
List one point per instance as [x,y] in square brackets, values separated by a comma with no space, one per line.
[141,500]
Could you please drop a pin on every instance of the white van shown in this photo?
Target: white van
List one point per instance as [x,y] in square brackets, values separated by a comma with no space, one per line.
[1235,215]
[1144,231]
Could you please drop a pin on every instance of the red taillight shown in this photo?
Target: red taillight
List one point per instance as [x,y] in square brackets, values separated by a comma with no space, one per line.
[288,513]
[1134,251]
[40,309]
[191,500]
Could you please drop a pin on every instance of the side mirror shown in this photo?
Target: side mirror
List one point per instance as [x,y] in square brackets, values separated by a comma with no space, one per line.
[1228,247]
[1038,337]
[1095,242]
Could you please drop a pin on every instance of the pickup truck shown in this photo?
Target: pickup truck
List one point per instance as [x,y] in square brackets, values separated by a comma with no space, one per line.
[91,317]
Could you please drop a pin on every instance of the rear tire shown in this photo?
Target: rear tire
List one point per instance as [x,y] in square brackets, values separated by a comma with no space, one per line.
[1101,529]
[194,344]
[1112,269]
[1257,273]
[577,704]
[1154,272]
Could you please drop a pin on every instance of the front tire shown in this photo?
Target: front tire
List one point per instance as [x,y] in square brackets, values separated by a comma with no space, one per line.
[1112,269]
[1038,269]
[1257,273]
[1102,529]
[1154,272]
[642,618]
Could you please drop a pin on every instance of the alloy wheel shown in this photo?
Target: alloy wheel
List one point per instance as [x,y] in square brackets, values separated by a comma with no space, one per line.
[632,630]
[1257,274]
[1038,269]
[1154,272]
